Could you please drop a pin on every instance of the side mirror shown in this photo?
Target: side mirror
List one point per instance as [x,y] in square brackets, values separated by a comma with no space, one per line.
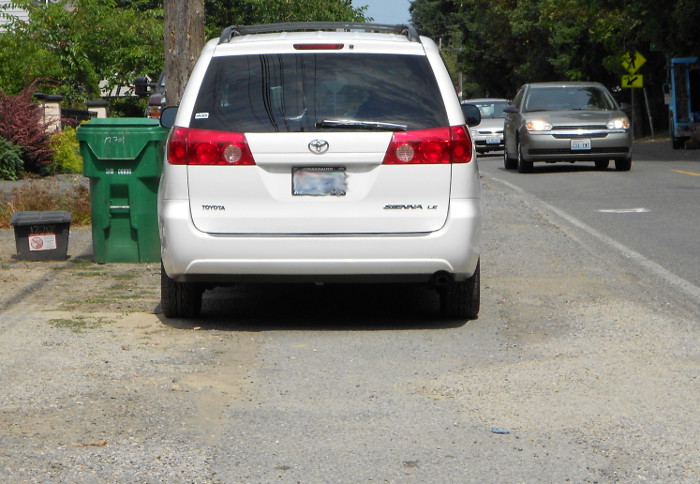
[141,86]
[472,115]
[510,109]
[167,117]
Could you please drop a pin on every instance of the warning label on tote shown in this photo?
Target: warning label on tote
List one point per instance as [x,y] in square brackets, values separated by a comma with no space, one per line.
[42,242]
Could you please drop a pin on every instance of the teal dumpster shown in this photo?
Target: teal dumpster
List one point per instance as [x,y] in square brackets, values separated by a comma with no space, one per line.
[122,157]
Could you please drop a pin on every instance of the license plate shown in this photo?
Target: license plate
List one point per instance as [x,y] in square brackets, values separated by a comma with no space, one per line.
[493,140]
[319,181]
[580,144]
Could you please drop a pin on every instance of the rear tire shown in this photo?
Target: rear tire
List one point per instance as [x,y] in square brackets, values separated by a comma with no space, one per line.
[623,165]
[462,299]
[179,299]
[602,164]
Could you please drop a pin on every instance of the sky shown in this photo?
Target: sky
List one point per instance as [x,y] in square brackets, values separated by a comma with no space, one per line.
[386,11]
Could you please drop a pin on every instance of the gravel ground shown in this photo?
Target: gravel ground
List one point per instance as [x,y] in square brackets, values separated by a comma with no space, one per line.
[579,369]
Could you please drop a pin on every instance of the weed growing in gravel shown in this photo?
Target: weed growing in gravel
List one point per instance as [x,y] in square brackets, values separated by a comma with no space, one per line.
[79,324]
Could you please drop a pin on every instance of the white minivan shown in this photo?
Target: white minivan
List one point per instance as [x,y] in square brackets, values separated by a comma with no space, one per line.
[319,152]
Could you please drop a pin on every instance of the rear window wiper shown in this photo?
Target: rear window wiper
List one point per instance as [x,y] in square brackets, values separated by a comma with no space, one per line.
[354,124]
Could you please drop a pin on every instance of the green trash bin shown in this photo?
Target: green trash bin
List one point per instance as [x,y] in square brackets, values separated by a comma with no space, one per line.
[123,157]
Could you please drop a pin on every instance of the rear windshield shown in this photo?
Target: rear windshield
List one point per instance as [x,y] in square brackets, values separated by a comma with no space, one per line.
[303,92]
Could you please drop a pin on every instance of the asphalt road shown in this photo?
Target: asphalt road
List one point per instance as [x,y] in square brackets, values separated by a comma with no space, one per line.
[650,214]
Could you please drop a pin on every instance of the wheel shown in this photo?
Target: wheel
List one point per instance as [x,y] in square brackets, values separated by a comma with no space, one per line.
[623,165]
[461,299]
[602,164]
[523,165]
[508,162]
[179,299]
[678,143]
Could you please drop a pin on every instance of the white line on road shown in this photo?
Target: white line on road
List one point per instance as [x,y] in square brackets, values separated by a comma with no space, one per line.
[624,210]
[686,287]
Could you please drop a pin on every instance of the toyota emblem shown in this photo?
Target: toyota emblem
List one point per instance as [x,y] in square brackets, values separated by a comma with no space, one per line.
[318,146]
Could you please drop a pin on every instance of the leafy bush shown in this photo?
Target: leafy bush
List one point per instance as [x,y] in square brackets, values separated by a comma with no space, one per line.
[66,152]
[22,123]
[10,160]
[128,107]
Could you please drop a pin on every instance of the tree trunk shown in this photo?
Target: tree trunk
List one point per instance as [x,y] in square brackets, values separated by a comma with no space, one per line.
[184,39]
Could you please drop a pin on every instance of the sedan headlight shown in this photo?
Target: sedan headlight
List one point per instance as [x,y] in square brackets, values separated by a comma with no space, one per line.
[538,125]
[618,123]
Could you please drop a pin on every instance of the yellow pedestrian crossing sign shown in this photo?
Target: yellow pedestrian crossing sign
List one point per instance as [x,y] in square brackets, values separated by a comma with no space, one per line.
[633,80]
[632,62]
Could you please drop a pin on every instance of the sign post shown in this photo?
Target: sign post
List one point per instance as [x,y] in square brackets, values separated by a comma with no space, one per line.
[632,62]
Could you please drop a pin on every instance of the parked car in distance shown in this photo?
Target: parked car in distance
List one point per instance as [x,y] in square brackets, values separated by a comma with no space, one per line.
[566,122]
[319,152]
[488,135]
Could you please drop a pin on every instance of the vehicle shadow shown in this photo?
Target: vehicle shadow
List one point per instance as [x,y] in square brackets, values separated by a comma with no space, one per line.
[542,168]
[332,307]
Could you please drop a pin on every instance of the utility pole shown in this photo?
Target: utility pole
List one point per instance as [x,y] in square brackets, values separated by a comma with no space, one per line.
[184,40]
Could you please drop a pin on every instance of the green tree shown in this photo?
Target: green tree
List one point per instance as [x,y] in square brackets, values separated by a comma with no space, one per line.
[219,14]
[79,45]
[504,43]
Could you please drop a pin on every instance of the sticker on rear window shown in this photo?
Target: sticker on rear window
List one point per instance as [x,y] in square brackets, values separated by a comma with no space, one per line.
[201,116]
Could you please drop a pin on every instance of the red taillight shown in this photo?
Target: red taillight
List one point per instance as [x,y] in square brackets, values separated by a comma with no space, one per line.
[430,147]
[205,147]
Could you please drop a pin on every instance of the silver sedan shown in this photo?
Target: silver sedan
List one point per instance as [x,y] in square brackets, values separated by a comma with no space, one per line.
[566,122]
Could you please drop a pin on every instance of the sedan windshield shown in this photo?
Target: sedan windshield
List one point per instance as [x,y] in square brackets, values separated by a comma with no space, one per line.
[583,98]
[489,109]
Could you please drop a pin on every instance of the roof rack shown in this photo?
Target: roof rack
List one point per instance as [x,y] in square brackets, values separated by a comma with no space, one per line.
[237,30]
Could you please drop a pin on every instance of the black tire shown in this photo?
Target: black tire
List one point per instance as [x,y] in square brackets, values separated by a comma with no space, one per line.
[602,164]
[524,166]
[461,299]
[179,299]
[678,143]
[508,162]
[623,165]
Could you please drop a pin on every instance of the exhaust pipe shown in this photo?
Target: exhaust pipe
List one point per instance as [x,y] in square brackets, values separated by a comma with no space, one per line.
[440,279]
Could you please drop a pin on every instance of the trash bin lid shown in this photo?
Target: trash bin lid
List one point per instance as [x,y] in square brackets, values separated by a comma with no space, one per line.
[120,123]
[20,219]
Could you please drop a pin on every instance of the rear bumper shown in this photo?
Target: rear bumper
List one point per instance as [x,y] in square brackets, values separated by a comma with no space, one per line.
[191,255]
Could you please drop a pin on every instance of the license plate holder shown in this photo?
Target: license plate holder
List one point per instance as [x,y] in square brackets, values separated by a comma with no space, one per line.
[583,144]
[319,181]
[494,140]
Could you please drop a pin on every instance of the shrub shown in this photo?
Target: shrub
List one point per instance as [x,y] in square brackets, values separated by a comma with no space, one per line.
[10,160]
[66,152]
[21,123]
[128,107]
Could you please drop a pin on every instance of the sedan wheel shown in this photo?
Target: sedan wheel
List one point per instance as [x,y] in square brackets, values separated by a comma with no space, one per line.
[508,162]
[523,165]
[602,164]
[623,165]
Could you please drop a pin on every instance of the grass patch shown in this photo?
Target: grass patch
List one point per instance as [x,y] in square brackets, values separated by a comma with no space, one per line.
[79,324]
[90,274]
